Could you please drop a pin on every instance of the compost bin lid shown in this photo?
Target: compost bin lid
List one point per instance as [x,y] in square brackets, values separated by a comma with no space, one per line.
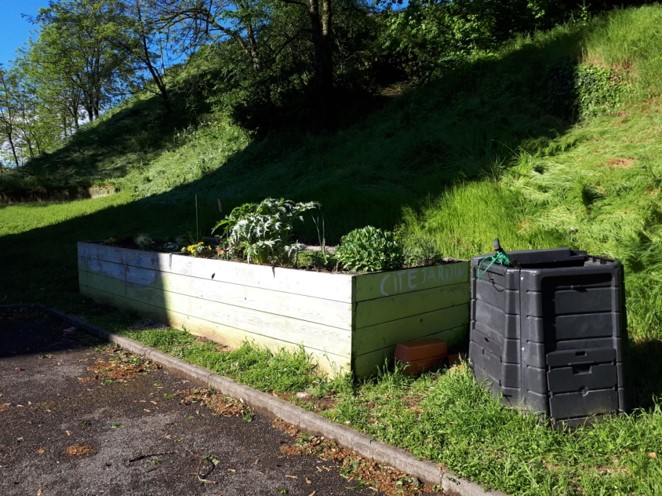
[554,257]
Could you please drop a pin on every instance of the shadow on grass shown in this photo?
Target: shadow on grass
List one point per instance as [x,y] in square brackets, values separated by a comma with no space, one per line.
[644,373]
[135,133]
[463,127]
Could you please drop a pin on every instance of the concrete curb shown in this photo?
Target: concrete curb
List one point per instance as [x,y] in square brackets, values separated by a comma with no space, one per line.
[272,406]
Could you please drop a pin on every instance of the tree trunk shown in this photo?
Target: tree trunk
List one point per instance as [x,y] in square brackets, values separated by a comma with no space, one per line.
[320,23]
[147,58]
[13,151]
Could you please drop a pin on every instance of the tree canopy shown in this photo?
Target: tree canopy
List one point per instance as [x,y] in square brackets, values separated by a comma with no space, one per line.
[269,59]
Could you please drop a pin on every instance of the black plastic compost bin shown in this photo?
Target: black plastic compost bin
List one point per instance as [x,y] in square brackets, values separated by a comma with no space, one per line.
[548,331]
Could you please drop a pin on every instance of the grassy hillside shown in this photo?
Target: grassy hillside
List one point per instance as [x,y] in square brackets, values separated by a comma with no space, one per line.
[554,141]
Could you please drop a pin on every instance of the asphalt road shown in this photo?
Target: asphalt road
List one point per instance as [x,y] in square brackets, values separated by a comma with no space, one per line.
[78,417]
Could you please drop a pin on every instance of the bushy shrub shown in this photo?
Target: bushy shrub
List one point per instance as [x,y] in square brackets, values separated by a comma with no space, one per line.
[369,249]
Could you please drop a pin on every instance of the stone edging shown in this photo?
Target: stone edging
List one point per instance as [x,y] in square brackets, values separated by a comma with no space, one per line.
[272,406]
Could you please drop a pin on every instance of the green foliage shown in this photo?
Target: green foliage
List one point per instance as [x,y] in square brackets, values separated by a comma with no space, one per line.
[583,91]
[418,250]
[263,232]
[283,371]
[448,418]
[425,149]
[316,260]
[75,58]
[428,38]
[369,249]
[626,42]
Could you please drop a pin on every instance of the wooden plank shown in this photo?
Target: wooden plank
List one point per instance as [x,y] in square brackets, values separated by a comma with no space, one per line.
[388,308]
[328,312]
[329,362]
[378,285]
[325,285]
[376,337]
[316,284]
[331,313]
[117,255]
[118,267]
[370,363]
[289,330]
[126,274]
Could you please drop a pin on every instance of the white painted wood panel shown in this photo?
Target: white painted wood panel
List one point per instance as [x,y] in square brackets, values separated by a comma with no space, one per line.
[328,312]
[327,361]
[293,331]
[316,284]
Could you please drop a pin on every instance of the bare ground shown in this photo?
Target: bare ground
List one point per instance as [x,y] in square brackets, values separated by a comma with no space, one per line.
[78,417]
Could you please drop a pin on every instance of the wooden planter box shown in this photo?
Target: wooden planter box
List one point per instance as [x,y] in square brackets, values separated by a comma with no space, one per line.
[344,321]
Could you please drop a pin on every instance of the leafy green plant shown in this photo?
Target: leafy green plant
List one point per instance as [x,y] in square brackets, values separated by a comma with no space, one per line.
[598,90]
[263,232]
[315,260]
[370,249]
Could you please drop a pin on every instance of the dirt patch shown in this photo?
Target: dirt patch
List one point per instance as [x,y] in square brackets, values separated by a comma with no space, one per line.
[127,430]
[75,450]
[378,477]
[121,367]
[621,163]
[216,402]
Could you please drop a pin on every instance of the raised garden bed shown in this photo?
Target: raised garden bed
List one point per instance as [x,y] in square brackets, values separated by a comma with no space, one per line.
[343,321]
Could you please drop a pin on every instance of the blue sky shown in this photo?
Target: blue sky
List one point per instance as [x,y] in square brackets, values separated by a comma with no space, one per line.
[14,29]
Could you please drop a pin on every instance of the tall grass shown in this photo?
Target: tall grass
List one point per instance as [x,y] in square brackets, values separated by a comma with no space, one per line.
[630,41]
[448,418]
[21,218]
[597,187]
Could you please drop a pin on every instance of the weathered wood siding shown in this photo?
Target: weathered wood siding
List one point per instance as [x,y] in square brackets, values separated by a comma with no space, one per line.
[343,321]
[399,306]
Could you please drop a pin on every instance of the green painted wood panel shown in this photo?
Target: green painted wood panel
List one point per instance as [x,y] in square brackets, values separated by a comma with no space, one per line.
[368,339]
[368,364]
[383,284]
[376,311]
